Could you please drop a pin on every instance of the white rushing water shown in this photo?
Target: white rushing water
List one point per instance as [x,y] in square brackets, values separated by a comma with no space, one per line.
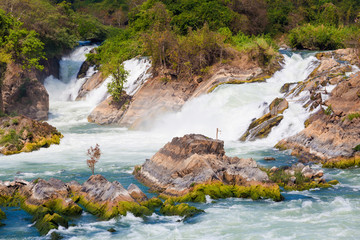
[326,213]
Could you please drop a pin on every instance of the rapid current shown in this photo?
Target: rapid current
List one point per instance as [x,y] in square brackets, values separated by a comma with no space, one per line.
[317,214]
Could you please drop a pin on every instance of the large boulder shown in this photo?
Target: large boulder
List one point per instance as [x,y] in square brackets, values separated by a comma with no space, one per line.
[195,159]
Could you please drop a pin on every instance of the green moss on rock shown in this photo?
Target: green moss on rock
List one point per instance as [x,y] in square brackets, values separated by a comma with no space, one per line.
[169,208]
[59,206]
[234,81]
[217,190]
[49,222]
[342,163]
[301,183]
[105,211]
[152,203]
[2,215]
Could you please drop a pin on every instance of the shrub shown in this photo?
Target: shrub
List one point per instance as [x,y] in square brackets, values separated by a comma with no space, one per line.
[319,37]
[351,116]
[328,110]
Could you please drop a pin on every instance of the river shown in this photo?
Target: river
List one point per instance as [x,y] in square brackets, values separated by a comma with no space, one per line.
[317,214]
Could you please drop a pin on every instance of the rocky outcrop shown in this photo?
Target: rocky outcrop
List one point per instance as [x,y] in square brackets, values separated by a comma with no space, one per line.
[165,93]
[22,134]
[299,177]
[24,94]
[261,127]
[332,133]
[90,84]
[110,112]
[52,203]
[195,159]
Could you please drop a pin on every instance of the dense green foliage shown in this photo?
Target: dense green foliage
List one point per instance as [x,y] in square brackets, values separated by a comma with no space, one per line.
[57,26]
[119,75]
[19,44]
[186,36]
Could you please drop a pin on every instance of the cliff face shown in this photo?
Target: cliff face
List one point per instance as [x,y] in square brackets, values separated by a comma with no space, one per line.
[333,132]
[24,94]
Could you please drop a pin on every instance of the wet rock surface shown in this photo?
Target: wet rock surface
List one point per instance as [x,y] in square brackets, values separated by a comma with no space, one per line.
[332,132]
[195,159]
[53,202]
[261,127]
[109,112]
[164,93]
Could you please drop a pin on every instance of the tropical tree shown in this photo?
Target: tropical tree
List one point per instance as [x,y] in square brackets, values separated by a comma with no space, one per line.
[119,74]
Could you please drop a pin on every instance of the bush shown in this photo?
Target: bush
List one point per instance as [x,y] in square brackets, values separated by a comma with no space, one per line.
[261,48]
[320,37]
[351,116]
[328,110]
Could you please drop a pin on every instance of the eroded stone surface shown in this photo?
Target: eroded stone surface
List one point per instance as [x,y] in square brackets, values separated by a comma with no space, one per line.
[195,159]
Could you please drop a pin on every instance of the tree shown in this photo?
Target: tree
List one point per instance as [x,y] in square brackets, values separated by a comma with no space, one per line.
[94,154]
[119,74]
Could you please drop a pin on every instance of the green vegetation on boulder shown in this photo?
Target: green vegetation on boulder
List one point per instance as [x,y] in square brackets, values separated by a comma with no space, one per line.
[49,222]
[261,127]
[218,190]
[169,208]
[298,178]
[22,134]
[342,163]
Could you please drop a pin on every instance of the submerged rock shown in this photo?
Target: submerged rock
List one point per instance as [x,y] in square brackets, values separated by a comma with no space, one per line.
[195,159]
[22,134]
[261,127]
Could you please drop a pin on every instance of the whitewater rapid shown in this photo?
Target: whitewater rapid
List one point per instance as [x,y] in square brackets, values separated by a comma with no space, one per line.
[321,213]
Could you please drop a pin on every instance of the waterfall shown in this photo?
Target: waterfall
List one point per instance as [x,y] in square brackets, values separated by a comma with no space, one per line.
[231,108]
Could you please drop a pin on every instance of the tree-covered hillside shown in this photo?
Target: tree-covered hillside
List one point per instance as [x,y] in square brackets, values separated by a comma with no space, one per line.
[186,36]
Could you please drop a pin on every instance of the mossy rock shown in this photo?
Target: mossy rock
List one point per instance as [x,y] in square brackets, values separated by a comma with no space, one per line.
[49,222]
[104,211]
[55,236]
[26,135]
[134,208]
[218,190]
[234,81]
[2,215]
[182,210]
[301,183]
[306,186]
[342,163]
[152,203]
[59,206]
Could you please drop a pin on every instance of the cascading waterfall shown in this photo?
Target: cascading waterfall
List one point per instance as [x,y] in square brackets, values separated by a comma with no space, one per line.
[232,107]
[326,213]
[63,92]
